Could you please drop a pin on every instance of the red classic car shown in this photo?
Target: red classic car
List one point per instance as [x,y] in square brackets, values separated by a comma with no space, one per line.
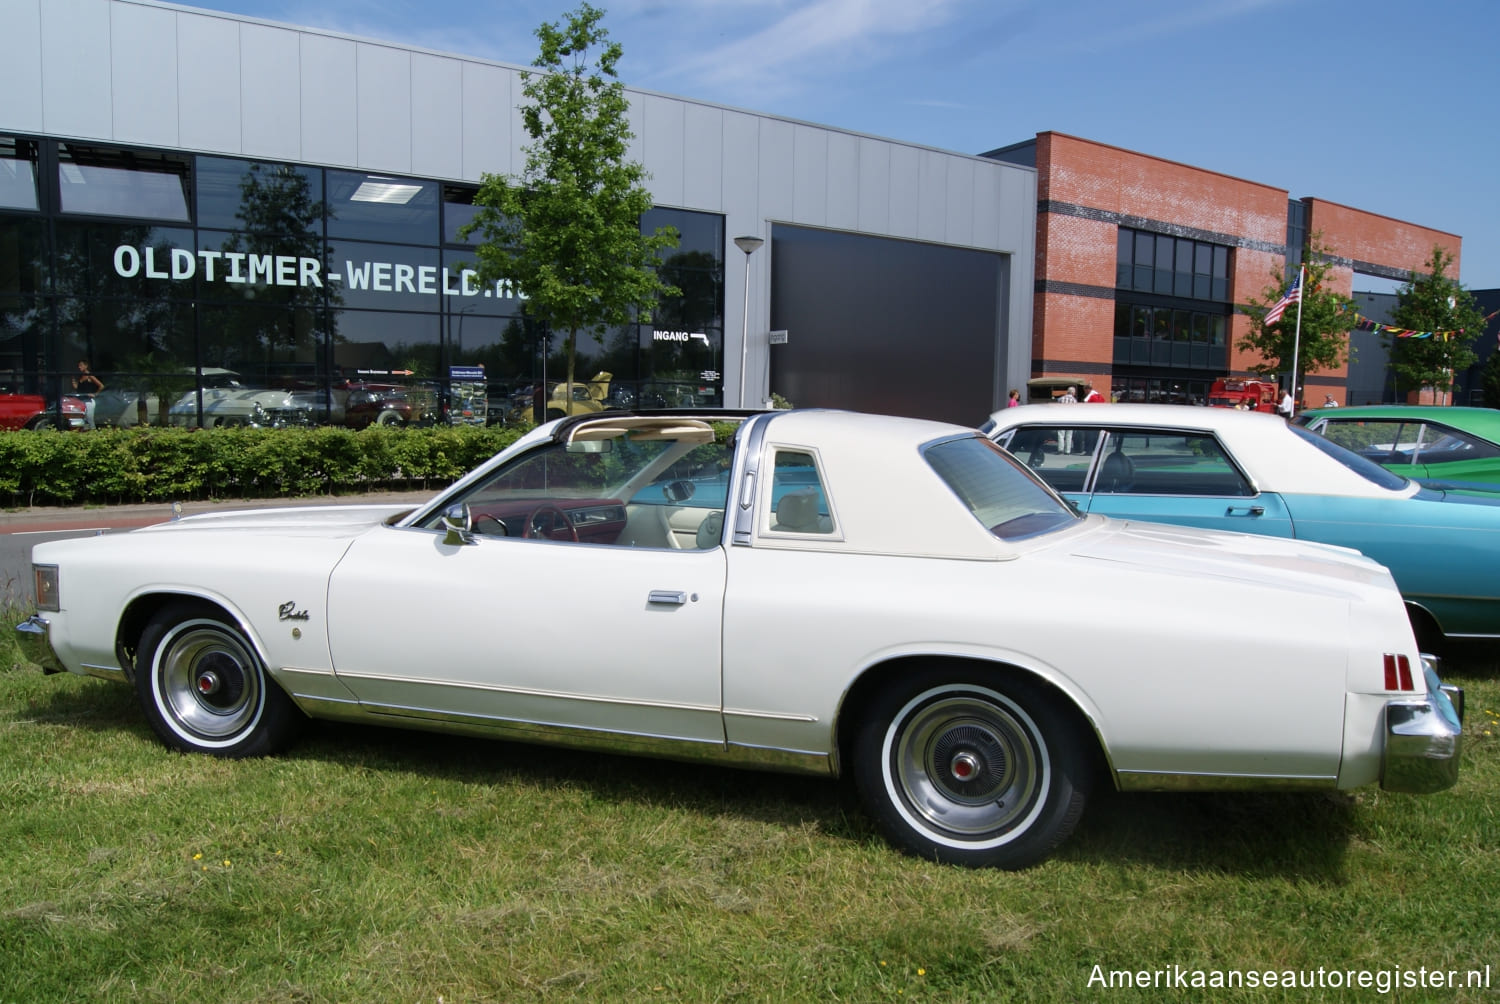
[30,411]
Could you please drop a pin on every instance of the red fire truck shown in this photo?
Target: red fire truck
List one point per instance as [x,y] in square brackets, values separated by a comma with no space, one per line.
[1246,394]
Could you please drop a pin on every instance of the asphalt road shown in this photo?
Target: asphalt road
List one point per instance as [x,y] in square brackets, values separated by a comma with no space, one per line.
[22,528]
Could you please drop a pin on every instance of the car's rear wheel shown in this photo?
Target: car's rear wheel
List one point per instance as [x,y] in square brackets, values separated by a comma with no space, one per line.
[205,690]
[971,773]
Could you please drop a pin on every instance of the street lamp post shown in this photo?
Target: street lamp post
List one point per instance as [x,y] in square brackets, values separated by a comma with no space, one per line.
[747,245]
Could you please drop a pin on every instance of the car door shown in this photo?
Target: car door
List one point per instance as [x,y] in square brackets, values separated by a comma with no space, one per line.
[573,635]
[1187,478]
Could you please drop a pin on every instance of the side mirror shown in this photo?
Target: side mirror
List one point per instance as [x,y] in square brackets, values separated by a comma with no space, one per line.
[678,491]
[458,524]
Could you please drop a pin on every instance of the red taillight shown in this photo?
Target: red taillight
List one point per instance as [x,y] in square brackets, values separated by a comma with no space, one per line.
[1398,673]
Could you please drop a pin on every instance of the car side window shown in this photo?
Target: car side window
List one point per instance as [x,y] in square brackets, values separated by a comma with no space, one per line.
[1167,463]
[1442,445]
[1059,456]
[1388,441]
[798,501]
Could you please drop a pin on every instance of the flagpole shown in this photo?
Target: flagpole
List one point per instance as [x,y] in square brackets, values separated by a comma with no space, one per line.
[1297,340]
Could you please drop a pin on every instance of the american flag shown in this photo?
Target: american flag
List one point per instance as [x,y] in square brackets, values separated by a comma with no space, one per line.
[1293,295]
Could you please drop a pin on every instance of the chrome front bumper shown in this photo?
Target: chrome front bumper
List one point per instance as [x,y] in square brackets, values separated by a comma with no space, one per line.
[1423,739]
[33,636]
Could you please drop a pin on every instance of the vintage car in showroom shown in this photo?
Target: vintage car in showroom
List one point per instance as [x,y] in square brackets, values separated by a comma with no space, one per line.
[32,411]
[1234,470]
[896,601]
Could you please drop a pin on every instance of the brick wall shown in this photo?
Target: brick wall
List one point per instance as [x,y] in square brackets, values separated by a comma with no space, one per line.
[1088,190]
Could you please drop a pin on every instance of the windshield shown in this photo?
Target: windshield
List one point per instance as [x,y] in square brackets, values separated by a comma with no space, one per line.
[1367,469]
[1001,493]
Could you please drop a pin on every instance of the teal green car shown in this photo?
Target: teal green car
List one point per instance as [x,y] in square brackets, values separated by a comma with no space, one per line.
[1457,446]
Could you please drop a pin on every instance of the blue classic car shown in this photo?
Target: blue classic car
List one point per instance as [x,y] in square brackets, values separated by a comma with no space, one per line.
[1247,471]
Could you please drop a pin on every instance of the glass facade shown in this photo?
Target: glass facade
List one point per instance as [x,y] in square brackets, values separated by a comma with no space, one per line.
[1172,312]
[209,291]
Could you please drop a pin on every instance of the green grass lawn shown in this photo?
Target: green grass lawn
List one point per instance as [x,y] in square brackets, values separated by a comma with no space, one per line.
[383,866]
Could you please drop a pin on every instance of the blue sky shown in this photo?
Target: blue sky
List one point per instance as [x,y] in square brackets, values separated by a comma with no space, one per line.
[1386,106]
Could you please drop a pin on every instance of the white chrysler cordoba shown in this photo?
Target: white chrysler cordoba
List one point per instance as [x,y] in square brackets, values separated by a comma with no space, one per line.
[894,600]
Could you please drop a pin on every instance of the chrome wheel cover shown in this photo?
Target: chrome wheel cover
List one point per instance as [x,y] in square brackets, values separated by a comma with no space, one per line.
[208,683]
[967,766]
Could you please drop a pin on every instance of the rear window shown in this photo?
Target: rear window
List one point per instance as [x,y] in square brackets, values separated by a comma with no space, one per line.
[1367,469]
[1005,497]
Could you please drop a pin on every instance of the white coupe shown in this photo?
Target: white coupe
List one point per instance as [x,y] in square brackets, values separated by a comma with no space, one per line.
[894,600]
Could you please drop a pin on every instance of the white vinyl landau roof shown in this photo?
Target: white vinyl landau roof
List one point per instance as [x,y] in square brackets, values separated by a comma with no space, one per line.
[1274,457]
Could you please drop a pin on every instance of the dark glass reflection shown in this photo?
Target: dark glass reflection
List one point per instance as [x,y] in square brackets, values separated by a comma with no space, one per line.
[107,182]
[885,325]
[378,207]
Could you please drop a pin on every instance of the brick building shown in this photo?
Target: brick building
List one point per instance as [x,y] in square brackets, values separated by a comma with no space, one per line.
[1142,264]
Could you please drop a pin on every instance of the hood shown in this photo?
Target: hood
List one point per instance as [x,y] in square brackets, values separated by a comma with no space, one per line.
[1250,558]
[321,521]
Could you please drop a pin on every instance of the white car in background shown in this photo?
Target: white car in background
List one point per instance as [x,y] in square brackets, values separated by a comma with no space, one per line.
[892,600]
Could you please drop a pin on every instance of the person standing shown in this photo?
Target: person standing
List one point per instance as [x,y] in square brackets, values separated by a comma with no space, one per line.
[1065,436]
[85,382]
[1014,400]
[1093,396]
[1286,407]
[1329,402]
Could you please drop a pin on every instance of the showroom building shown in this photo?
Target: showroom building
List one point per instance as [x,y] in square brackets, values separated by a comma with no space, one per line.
[231,220]
[1144,264]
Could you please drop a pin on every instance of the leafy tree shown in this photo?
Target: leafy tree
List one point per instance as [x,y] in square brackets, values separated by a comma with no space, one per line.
[567,232]
[1326,318]
[1433,302]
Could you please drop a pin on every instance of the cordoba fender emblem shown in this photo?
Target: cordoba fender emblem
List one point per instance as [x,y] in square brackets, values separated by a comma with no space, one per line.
[288,612]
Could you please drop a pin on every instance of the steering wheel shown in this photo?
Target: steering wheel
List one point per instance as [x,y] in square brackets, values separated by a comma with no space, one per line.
[560,520]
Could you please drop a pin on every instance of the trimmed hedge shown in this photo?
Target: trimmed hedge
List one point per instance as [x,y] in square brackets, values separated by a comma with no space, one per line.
[113,466]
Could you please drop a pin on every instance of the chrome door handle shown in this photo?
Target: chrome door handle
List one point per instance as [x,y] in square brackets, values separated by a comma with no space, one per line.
[669,596]
[1251,510]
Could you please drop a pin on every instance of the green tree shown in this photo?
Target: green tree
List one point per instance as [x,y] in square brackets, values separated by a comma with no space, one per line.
[567,231]
[1432,302]
[1326,317]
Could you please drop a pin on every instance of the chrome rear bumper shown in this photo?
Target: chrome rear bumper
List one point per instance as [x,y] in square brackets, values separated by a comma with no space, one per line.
[1423,739]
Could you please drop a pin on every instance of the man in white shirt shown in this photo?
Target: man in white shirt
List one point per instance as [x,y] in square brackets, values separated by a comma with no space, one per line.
[1065,436]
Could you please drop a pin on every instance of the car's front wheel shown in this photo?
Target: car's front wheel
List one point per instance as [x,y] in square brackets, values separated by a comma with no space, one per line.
[971,773]
[205,690]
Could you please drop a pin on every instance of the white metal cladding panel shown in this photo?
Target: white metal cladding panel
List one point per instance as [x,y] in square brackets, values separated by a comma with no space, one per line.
[143,75]
[810,175]
[437,130]
[384,108]
[270,92]
[987,228]
[703,157]
[208,76]
[664,142]
[776,156]
[843,181]
[905,164]
[958,224]
[492,131]
[21,67]
[874,186]
[75,68]
[741,203]
[329,131]
[931,195]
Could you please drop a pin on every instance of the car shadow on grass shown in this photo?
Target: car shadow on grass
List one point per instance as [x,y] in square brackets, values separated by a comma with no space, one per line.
[1257,834]
[1294,835]
[1303,835]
